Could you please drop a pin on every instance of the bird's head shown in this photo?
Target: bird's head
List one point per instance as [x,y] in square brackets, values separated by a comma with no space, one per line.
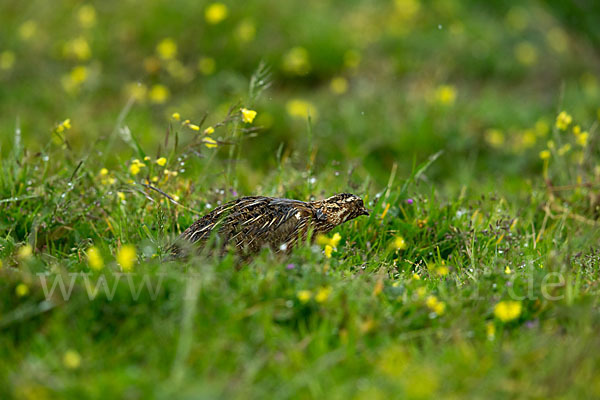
[340,208]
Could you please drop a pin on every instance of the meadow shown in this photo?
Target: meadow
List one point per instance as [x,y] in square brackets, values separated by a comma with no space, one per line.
[469,128]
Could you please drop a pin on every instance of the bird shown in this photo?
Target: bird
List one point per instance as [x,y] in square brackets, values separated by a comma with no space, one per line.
[249,224]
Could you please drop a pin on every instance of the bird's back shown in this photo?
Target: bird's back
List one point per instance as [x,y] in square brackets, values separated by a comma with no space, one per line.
[251,223]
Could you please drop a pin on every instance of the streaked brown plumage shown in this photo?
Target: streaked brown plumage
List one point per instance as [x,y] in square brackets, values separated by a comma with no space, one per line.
[251,223]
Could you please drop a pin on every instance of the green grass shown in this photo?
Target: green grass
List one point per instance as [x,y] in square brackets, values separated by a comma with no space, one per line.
[443,132]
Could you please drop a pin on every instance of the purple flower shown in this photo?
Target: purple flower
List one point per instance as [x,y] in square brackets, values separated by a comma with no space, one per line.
[290,266]
[409,201]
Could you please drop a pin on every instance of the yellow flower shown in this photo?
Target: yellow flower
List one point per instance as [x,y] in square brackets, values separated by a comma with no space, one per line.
[166,49]
[435,305]
[526,53]
[248,115]
[79,74]
[71,359]
[27,29]
[328,250]
[245,31]
[215,13]
[77,48]
[507,270]
[416,277]
[25,252]
[22,290]
[126,257]
[445,94]
[194,127]
[86,16]
[508,310]
[582,139]
[209,131]
[7,60]
[564,149]
[104,172]
[121,196]
[161,161]
[301,109]
[207,65]
[176,116]
[147,158]
[494,137]
[95,260]
[296,61]
[304,295]
[158,94]
[323,294]
[545,154]
[563,120]
[209,142]
[400,243]
[339,85]
[333,242]
[442,270]
[134,169]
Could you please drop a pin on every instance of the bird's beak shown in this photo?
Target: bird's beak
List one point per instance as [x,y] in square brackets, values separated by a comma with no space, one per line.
[366,211]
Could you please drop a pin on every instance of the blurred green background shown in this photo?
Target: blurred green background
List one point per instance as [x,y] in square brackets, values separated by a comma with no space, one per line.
[384,81]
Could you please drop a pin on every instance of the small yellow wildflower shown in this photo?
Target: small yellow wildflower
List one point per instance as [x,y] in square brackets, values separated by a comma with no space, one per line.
[245,31]
[445,94]
[103,172]
[442,270]
[494,137]
[301,109]
[508,310]
[209,131]
[304,295]
[215,13]
[166,49]
[159,94]
[421,292]
[339,85]
[25,252]
[147,158]
[582,139]
[416,277]
[94,258]
[134,169]
[435,305]
[194,127]
[333,241]
[400,243]
[323,294]
[207,65]
[563,120]
[7,60]
[526,53]
[71,359]
[328,250]
[564,149]
[296,61]
[507,270]
[545,154]
[77,48]
[86,16]
[121,196]
[126,257]
[22,290]
[248,115]
[161,161]
[176,116]
[27,29]
[79,74]
[210,142]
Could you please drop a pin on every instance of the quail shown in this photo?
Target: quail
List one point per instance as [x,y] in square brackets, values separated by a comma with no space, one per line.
[252,223]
